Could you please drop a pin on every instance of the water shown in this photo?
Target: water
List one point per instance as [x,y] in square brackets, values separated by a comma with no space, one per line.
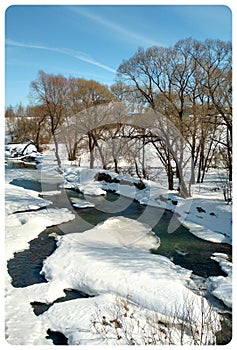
[26,265]
[57,338]
[70,294]
[181,246]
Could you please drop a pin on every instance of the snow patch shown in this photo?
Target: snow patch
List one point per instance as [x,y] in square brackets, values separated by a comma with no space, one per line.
[221,287]
[21,228]
[20,199]
[113,258]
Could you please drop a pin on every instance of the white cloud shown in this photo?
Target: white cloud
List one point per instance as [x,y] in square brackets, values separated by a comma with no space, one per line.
[69,52]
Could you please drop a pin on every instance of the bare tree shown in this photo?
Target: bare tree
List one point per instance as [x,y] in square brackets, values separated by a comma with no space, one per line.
[190,79]
[27,123]
[10,124]
[166,71]
[215,59]
[38,125]
[51,91]
[83,116]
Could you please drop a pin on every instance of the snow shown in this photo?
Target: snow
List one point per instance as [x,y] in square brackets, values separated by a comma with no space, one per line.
[108,262]
[207,216]
[19,199]
[110,258]
[92,189]
[82,181]
[79,203]
[24,221]
[50,193]
[213,223]
[13,154]
[18,147]
[23,227]
[82,323]
[111,261]
[222,286]
[22,326]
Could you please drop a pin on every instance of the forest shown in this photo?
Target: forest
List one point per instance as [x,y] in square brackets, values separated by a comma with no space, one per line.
[175,100]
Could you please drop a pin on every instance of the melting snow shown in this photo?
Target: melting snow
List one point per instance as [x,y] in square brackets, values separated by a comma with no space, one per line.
[111,260]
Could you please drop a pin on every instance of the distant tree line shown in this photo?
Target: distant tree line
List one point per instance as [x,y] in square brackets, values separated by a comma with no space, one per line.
[190,84]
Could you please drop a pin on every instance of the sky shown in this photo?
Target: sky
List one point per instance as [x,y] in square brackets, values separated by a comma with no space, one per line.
[91,41]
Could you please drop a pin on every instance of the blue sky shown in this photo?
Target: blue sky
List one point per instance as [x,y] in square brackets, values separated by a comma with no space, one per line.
[91,41]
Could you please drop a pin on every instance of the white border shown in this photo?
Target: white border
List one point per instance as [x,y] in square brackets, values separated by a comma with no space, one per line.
[4,4]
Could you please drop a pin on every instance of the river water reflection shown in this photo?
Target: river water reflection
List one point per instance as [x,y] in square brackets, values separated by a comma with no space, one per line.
[181,246]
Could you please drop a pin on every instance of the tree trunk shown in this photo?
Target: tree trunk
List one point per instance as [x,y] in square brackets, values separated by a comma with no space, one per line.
[116,166]
[28,144]
[72,155]
[144,173]
[192,170]
[56,150]
[101,153]
[143,156]
[92,158]
[170,175]
[200,164]
[184,187]
[91,148]
[37,141]
[229,155]
[137,170]
[230,171]
[184,191]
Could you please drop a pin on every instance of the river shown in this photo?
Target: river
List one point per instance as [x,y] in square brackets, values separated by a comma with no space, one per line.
[181,246]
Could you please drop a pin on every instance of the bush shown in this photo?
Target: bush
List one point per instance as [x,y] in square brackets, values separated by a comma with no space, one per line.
[129,324]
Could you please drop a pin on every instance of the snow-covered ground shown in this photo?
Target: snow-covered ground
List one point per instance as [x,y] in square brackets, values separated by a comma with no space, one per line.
[140,291]
[205,213]
[111,260]
[22,326]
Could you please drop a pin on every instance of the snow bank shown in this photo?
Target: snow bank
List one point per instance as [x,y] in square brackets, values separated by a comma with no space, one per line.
[113,258]
[21,228]
[79,203]
[111,320]
[221,287]
[22,326]
[20,199]
[92,189]
[82,180]
[19,147]
[208,218]
[205,214]
[50,193]
[111,261]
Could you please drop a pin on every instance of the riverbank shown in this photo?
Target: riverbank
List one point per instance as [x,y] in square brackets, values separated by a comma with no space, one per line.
[95,264]
[206,213]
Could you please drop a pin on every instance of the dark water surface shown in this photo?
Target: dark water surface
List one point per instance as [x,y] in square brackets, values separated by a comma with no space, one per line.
[70,294]
[181,246]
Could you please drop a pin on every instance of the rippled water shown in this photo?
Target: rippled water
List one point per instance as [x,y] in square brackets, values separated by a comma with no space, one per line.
[182,247]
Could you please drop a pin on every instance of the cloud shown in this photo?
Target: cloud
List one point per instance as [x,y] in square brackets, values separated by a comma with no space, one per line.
[69,52]
[113,26]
